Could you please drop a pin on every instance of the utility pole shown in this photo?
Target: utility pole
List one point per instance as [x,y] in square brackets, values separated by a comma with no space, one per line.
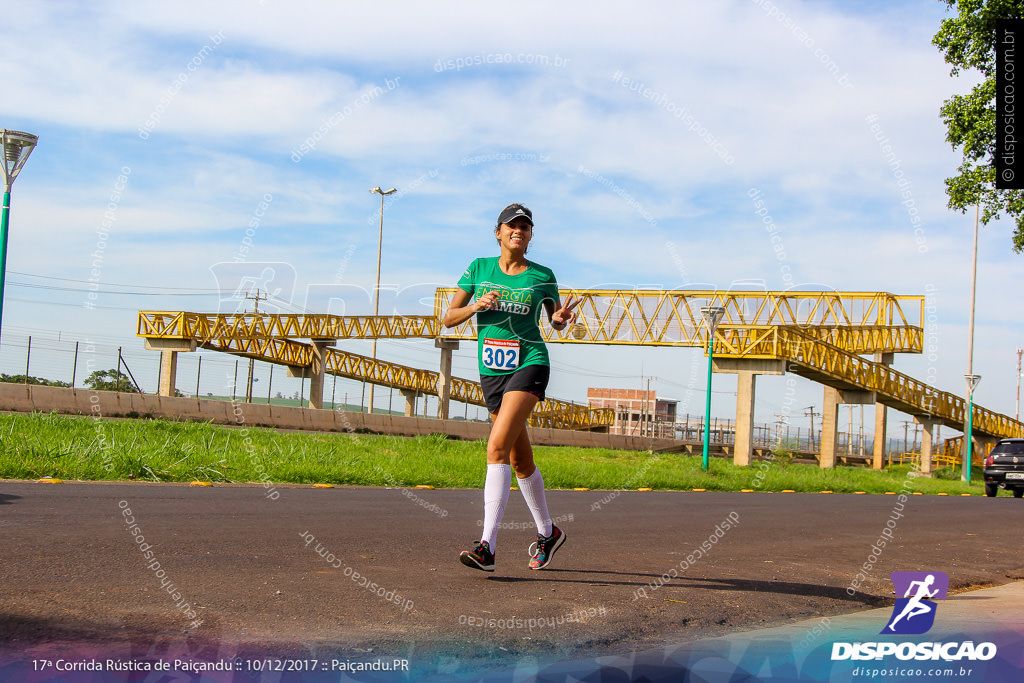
[783,420]
[643,404]
[650,422]
[849,431]
[860,446]
[256,298]
[809,410]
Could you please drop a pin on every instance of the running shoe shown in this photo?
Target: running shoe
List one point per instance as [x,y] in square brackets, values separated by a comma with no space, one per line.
[479,557]
[544,549]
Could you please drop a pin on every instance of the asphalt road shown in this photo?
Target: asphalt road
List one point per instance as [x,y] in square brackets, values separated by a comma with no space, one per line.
[74,576]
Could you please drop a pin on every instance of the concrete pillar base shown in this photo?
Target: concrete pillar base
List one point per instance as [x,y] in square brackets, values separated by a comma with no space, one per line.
[746,371]
[444,379]
[881,420]
[927,441]
[169,349]
[829,429]
[316,372]
[168,372]
[410,402]
[745,388]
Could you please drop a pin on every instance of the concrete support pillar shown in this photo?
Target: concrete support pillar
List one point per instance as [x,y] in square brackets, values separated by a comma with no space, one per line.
[316,372]
[746,371]
[168,372]
[829,428]
[444,379]
[745,386]
[927,442]
[881,424]
[410,402]
[169,349]
[881,420]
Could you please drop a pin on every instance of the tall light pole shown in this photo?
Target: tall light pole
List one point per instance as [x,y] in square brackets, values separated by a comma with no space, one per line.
[376,289]
[965,475]
[17,147]
[972,382]
[712,316]
[1016,415]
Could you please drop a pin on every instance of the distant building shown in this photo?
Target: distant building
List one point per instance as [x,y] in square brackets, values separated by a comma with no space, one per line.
[637,412]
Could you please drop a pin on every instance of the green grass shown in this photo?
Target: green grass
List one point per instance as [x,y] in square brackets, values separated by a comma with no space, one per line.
[38,445]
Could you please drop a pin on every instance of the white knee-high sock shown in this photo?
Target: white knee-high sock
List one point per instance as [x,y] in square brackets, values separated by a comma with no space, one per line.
[496,488]
[533,491]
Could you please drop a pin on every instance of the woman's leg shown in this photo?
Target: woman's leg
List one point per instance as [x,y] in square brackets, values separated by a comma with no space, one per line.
[531,483]
[509,423]
[520,456]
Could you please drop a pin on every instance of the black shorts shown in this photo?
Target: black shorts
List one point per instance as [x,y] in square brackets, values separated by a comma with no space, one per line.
[529,378]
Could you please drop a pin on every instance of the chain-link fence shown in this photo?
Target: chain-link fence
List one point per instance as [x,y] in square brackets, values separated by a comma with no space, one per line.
[53,357]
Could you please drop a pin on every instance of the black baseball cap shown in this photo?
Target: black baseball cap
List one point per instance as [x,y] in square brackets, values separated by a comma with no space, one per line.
[513,212]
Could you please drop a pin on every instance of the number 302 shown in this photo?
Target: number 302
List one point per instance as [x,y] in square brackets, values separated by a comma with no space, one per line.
[500,359]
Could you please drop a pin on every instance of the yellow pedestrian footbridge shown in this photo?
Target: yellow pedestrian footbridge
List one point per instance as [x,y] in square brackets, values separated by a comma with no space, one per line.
[818,335]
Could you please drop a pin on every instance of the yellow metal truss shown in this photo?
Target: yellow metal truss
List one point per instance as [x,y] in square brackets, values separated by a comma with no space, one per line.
[877,321]
[862,322]
[550,412]
[763,341]
[820,332]
[208,326]
[807,355]
[952,450]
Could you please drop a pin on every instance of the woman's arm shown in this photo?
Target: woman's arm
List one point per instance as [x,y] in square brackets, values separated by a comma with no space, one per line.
[461,310]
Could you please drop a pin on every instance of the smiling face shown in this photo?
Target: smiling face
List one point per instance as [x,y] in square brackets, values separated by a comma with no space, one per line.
[515,236]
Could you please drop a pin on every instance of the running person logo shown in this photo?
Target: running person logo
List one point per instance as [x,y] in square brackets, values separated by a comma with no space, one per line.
[914,613]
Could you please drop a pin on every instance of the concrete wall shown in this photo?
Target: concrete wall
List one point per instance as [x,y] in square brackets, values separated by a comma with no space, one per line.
[25,398]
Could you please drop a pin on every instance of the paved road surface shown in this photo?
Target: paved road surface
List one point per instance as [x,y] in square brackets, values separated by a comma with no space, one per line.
[74,578]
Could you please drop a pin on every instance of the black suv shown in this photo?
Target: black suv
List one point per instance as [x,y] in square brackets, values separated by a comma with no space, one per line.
[1004,468]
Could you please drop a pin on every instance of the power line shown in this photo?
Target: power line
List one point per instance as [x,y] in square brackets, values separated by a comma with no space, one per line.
[58,303]
[107,291]
[105,284]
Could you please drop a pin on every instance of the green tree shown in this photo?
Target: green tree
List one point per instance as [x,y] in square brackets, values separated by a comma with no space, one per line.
[20,379]
[967,41]
[110,380]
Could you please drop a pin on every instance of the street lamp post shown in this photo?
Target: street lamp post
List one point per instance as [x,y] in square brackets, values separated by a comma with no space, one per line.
[376,289]
[1016,414]
[972,382]
[712,316]
[965,475]
[17,148]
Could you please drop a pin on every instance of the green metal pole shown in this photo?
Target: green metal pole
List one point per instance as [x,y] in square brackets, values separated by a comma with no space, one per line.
[970,439]
[3,247]
[707,403]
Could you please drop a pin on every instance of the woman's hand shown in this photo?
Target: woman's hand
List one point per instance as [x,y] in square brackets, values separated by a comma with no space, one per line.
[462,310]
[486,302]
[565,316]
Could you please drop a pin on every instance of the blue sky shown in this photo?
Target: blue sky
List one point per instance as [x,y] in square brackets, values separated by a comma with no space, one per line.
[205,108]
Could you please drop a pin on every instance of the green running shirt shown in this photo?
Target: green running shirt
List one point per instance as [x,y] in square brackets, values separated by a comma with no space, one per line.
[508,337]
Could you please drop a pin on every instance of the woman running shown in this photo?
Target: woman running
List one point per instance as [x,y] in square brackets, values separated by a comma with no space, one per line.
[514,371]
